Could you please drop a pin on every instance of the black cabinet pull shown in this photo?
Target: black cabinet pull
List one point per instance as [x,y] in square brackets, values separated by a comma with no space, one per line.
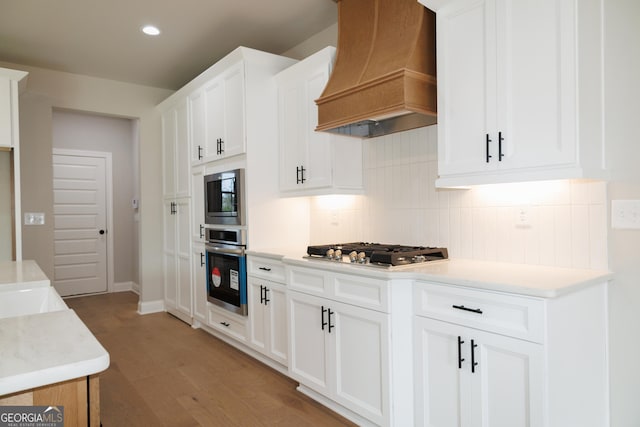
[199,152]
[500,139]
[487,149]
[201,231]
[266,296]
[323,323]
[473,357]
[460,359]
[173,209]
[261,294]
[201,259]
[225,324]
[297,174]
[303,179]
[330,313]
[462,307]
[265,268]
[219,146]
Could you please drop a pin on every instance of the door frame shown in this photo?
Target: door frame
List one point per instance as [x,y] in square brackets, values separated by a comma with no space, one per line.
[109,202]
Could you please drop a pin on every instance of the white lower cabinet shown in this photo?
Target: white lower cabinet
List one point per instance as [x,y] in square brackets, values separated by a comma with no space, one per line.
[342,352]
[495,359]
[177,258]
[467,377]
[268,318]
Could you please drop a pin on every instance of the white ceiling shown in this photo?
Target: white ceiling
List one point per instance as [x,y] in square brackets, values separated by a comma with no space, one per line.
[102,38]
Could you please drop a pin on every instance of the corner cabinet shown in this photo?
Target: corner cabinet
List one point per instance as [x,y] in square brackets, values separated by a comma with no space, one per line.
[313,162]
[217,117]
[519,90]
[501,360]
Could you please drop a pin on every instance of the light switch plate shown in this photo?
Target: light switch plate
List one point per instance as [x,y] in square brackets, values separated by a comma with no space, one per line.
[625,214]
[34,218]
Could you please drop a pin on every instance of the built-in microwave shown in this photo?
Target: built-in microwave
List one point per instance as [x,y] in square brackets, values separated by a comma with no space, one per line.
[224,198]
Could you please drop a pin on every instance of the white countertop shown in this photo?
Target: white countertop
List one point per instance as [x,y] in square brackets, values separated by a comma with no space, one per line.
[21,274]
[47,348]
[529,280]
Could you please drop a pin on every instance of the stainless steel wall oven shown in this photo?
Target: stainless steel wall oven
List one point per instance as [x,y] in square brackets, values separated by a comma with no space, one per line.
[227,269]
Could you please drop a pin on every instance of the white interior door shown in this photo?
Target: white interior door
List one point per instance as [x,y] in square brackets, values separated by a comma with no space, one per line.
[80,224]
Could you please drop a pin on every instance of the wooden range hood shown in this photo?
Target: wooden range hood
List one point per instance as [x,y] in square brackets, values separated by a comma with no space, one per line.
[384,78]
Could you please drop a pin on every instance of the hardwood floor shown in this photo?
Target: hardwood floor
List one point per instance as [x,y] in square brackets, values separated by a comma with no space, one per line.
[164,373]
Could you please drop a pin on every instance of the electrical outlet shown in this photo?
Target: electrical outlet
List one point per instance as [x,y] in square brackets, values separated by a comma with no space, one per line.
[34,218]
[335,220]
[523,217]
[625,214]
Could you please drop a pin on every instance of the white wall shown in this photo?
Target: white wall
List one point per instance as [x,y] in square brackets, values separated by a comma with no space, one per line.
[47,89]
[622,109]
[81,131]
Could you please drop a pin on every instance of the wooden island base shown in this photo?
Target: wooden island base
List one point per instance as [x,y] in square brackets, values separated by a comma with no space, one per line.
[80,398]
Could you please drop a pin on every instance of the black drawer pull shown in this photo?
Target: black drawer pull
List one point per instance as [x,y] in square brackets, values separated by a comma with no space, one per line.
[265,268]
[462,307]
[225,324]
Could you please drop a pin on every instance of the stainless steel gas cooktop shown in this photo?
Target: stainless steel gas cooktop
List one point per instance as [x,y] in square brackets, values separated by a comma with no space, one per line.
[375,254]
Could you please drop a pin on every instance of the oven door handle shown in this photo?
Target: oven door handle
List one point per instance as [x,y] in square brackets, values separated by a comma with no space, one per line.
[239,251]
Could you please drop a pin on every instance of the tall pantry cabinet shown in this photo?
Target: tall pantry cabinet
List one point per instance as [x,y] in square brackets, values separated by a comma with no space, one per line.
[176,211]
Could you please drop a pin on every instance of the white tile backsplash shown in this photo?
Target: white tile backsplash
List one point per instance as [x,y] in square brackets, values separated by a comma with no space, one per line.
[567,219]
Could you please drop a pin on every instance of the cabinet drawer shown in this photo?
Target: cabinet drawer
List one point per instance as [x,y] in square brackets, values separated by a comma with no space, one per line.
[510,315]
[361,291]
[308,280]
[266,268]
[227,323]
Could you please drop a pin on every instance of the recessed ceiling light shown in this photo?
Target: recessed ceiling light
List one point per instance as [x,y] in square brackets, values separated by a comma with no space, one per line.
[150,30]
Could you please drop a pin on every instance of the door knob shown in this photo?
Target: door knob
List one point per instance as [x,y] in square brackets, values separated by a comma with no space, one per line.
[101,231]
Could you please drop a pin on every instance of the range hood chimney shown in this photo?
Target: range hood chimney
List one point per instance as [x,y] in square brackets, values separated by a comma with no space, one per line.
[384,78]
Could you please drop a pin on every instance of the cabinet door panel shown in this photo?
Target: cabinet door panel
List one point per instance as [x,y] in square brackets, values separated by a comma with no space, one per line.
[257,327]
[317,159]
[307,347]
[214,93]
[182,158]
[361,360]
[169,153]
[532,91]
[277,316]
[289,119]
[466,102]
[199,284]
[509,382]
[438,392]
[198,105]
[234,135]
[197,214]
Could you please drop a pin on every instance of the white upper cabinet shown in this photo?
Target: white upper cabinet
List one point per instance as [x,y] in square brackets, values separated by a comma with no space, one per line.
[175,145]
[519,90]
[313,162]
[217,117]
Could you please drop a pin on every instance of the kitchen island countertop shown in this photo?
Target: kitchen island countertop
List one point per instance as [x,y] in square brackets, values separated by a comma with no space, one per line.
[21,274]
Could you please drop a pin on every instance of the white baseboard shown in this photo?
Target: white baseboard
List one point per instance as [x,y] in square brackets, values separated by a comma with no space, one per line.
[125,286]
[135,287]
[149,307]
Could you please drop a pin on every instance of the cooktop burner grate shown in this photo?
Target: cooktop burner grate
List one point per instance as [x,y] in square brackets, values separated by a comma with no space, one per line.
[376,253]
